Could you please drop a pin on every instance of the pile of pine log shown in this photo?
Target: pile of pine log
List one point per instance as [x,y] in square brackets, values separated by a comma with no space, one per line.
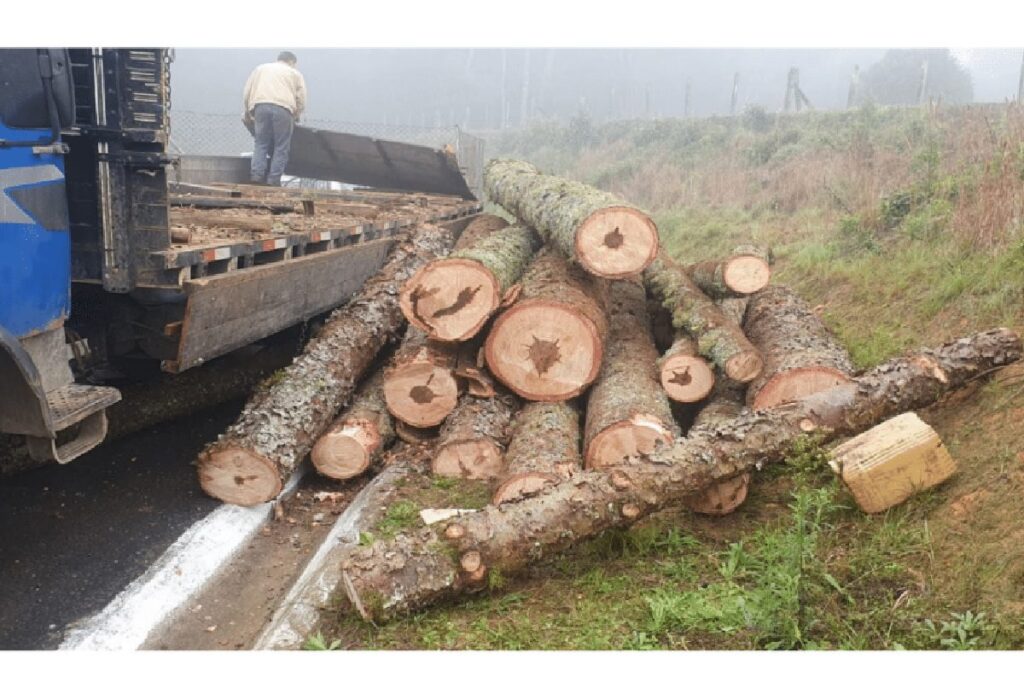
[573,364]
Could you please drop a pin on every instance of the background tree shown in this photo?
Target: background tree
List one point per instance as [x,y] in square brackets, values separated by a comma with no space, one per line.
[896,78]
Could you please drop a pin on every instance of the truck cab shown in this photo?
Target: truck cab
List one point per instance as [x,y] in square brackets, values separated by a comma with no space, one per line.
[39,398]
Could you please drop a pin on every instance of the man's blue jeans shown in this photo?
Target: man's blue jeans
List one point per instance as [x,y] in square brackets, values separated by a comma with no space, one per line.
[274,126]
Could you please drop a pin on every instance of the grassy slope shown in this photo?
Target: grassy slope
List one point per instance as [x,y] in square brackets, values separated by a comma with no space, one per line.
[907,228]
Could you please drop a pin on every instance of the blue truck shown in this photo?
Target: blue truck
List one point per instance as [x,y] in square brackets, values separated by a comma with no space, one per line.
[88,271]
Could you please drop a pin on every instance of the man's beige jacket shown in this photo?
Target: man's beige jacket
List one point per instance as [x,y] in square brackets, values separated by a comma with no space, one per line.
[275,83]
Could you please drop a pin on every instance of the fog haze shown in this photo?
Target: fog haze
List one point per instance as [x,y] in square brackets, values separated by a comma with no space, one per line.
[484,88]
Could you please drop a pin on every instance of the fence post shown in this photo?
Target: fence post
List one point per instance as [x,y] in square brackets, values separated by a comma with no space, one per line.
[851,97]
[504,95]
[790,78]
[735,93]
[686,100]
[922,88]
[525,101]
[1020,83]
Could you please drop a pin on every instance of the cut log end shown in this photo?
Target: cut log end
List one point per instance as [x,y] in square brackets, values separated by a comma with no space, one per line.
[686,378]
[421,393]
[451,299]
[616,242]
[239,476]
[747,274]
[347,452]
[721,498]
[521,486]
[544,351]
[795,384]
[469,459]
[620,441]
[744,366]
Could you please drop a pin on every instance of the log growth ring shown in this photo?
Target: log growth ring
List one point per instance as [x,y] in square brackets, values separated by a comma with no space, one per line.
[236,475]
[616,242]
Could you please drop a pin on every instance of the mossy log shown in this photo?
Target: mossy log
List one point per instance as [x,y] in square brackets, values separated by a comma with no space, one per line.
[605,235]
[424,566]
[451,299]
[718,338]
[548,346]
[725,404]
[419,385]
[801,355]
[628,413]
[544,449]
[474,436]
[253,459]
[357,439]
[746,271]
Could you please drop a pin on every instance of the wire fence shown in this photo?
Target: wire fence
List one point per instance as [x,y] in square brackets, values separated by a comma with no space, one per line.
[201,134]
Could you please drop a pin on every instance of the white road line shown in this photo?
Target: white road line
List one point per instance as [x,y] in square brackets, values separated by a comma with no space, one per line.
[173,579]
[298,613]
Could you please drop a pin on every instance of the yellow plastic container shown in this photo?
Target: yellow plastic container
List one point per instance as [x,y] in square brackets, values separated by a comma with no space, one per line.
[888,464]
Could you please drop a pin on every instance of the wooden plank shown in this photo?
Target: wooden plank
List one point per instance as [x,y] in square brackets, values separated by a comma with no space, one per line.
[226,312]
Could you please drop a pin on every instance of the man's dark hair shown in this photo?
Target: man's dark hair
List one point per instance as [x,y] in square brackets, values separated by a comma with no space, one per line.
[287,56]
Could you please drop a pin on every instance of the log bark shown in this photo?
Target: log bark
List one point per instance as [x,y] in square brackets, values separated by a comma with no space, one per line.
[605,235]
[746,271]
[725,404]
[252,460]
[548,346]
[412,435]
[474,436]
[480,227]
[421,567]
[358,438]
[544,449]
[718,338]
[420,386]
[451,299]
[801,355]
[628,413]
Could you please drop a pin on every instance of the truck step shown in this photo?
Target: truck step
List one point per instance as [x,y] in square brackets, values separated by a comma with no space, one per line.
[74,405]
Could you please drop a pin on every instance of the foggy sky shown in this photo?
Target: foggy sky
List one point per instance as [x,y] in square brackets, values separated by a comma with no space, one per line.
[464,86]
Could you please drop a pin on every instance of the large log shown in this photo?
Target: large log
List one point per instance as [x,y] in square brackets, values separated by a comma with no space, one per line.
[423,566]
[452,298]
[420,386]
[357,439]
[544,449]
[725,404]
[801,356]
[474,436]
[605,235]
[628,413]
[253,459]
[746,271]
[718,338]
[548,346]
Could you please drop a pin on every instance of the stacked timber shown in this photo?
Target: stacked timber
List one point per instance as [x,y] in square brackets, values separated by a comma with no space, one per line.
[603,234]
[253,459]
[452,298]
[628,413]
[801,355]
[358,438]
[548,346]
[420,387]
[544,450]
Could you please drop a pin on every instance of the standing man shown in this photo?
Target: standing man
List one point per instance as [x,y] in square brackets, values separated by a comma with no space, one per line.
[274,98]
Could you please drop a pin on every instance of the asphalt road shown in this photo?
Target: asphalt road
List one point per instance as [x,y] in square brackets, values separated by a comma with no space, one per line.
[73,536]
